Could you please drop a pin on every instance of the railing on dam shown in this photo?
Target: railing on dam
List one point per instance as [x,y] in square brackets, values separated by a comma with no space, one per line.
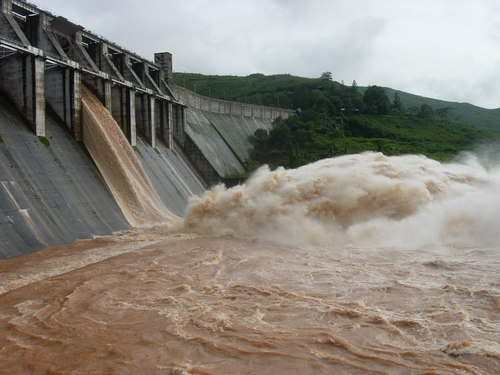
[194,100]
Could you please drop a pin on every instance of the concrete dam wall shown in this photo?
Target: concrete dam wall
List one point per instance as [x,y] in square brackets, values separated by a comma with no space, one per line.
[50,194]
[219,130]
[51,191]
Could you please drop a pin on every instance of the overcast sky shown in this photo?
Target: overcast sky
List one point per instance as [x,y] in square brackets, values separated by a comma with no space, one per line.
[445,49]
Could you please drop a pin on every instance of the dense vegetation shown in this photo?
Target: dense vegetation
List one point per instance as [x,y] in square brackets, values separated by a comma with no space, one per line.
[298,141]
[288,91]
[283,90]
[335,119]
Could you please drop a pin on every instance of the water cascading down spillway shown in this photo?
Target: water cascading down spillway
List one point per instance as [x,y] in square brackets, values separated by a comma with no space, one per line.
[120,167]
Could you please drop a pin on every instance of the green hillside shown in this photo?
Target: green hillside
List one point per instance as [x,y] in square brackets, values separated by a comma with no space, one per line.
[275,90]
[335,119]
[464,113]
[298,141]
[289,92]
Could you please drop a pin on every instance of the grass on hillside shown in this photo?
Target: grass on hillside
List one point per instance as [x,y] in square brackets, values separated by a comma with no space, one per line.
[287,91]
[440,139]
[465,113]
[275,90]
[337,119]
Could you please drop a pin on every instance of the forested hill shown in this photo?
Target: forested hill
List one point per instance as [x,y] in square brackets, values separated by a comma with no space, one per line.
[291,92]
[335,119]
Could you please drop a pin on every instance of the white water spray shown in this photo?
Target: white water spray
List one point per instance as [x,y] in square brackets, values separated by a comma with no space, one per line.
[361,200]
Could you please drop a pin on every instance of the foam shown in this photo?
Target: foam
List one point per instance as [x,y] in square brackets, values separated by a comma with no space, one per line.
[365,199]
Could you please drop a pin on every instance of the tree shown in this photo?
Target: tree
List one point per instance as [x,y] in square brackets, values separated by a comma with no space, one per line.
[443,112]
[327,76]
[426,111]
[398,104]
[260,135]
[354,87]
[376,100]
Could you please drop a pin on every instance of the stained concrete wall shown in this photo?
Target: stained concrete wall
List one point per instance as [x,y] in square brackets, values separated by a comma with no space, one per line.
[223,139]
[63,94]
[218,132]
[236,130]
[171,176]
[22,78]
[204,134]
[52,195]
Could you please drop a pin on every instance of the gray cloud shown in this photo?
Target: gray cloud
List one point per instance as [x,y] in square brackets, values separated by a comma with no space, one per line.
[446,49]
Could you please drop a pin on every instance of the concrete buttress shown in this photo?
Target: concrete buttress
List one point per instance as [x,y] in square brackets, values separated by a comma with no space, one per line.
[123,111]
[163,121]
[63,95]
[22,77]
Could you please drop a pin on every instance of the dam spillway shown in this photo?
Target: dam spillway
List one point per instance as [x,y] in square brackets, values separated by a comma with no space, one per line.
[120,167]
[52,191]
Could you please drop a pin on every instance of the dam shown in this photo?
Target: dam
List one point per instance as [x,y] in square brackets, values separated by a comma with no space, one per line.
[52,191]
[357,264]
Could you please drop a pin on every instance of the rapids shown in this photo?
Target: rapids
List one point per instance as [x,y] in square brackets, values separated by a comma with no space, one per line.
[144,302]
[362,264]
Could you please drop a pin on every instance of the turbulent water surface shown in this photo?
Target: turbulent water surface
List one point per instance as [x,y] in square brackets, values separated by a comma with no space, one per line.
[363,264]
[119,166]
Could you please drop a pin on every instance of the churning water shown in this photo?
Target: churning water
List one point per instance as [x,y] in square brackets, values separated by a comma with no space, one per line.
[119,166]
[360,200]
[362,264]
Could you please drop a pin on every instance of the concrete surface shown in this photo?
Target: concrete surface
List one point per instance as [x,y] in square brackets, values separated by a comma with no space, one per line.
[52,195]
[49,195]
